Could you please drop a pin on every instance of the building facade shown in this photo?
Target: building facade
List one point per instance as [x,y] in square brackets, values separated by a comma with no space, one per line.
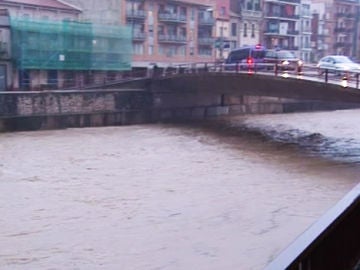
[222,29]
[235,24]
[103,12]
[251,22]
[335,28]
[305,31]
[48,46]
[345,27]
[11,74]
[170,32]
[281,24]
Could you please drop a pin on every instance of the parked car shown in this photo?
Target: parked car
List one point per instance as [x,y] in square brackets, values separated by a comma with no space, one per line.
[285,60]
[338,64]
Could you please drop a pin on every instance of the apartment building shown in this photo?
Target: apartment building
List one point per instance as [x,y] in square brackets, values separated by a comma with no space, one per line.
[305,31]
[335,27]
[321,29]
[281,24]
[345,28]
[170,32]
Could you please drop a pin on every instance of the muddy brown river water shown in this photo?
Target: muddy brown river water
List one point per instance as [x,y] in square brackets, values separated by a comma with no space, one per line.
[226,194]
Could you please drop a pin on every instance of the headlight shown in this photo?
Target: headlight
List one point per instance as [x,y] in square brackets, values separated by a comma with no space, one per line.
[300,63]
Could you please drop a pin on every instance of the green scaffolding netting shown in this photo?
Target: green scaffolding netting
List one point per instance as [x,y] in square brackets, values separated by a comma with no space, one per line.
[69,45]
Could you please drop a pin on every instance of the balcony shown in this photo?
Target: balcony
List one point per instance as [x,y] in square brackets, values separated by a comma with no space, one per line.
[3,49]
[347,15]
[307,30]
[206,41]
[173,18]
[290,48]
[324,33]
[139,36]
[207,21]
[306,47]
[282,16]
[136,14]
[284,1]
[340,30]
[172,39]
[293,32]
[306,14]
[277,32]
[342,44]
[251,14]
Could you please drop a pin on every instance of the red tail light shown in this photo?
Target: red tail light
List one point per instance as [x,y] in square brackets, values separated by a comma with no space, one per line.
[250,60]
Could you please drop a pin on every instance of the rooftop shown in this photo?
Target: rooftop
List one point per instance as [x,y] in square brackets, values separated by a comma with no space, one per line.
[41,3]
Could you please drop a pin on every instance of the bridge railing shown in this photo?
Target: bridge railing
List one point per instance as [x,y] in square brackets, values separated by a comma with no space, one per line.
[306,72]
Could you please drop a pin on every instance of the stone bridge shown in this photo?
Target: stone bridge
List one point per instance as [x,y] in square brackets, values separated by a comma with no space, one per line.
[229,83]
[196,95]
[227,92]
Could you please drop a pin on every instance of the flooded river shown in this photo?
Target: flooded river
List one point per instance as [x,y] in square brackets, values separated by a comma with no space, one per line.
[226,194]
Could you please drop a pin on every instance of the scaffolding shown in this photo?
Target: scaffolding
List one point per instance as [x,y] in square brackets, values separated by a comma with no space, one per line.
[69,45]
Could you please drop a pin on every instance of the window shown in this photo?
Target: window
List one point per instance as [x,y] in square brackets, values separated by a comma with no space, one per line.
[138,48]
[192,14]
[245,29]
[161,30]
[249,5]
[239,55]
[191,50]
[234,29]
[222,11]
[151,49]
[233,44]
[205,51]
[257,5]
[182,50]
[183,11]
[52,77]
[253,30]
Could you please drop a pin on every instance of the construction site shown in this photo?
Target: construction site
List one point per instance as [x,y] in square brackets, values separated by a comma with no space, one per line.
[58,54]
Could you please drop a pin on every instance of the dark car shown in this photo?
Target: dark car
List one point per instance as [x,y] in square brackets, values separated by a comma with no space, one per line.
[247,57]
[283,60]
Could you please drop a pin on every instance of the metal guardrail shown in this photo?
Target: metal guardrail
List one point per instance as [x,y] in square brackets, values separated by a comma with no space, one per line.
[307,72]
[333,242]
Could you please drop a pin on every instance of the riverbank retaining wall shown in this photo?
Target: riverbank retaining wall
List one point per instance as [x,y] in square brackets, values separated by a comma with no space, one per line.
[104,107]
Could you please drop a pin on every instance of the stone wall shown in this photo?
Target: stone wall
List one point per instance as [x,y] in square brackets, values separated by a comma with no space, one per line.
[42,110]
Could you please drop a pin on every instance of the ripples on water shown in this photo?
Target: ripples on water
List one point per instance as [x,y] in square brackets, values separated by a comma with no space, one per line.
[331,135]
